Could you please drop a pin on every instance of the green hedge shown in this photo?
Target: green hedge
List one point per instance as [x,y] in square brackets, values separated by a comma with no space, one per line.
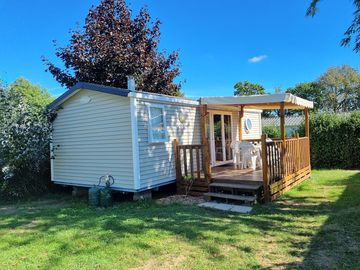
[335,140]
[272,131]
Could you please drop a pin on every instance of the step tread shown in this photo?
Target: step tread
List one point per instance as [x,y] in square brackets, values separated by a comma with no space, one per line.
[231,196]
[236,186]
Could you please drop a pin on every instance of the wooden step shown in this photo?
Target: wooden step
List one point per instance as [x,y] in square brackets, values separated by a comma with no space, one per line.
[231,196]
[238,181]
[236,186]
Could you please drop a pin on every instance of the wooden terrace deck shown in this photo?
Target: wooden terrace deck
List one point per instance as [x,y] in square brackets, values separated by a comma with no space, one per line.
[228,172]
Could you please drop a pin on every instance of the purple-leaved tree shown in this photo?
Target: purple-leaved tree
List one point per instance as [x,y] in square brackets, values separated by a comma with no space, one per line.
[112,45]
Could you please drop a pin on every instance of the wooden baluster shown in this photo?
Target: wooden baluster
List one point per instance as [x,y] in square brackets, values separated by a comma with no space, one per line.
[198,165]
[185,161]
[269,161]
[191,162]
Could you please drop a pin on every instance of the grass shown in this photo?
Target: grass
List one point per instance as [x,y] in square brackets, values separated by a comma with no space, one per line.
[314,226]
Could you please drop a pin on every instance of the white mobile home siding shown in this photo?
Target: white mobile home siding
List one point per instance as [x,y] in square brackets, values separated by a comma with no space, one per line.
[156,160]
[255,117]
[94,138]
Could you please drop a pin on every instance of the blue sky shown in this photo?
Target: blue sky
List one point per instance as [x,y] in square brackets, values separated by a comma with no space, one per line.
[216,40]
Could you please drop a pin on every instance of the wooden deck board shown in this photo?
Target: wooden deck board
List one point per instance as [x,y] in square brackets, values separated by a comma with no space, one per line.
[230,173]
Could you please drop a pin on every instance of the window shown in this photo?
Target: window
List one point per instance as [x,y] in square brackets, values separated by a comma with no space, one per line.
[157,130]
[248,125]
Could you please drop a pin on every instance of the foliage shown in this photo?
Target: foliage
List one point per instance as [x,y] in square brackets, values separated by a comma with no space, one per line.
[337,90]
[272,131]
[33,94]
[353,31]
[341,89]
[189,181]
[335,140]
[112,46]
[300,231]
[24,138]
[310,91]
[247,89]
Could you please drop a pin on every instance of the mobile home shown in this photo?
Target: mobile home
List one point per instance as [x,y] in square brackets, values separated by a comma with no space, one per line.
[129,134]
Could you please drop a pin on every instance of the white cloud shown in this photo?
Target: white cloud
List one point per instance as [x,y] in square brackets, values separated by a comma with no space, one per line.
[257,59]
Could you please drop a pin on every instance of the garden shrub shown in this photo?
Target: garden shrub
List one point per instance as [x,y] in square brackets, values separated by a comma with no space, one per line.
[335,140]
[24,146]
[272,131]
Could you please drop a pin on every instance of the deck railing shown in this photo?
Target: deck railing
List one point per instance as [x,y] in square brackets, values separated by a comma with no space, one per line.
[285,164]
[193,163]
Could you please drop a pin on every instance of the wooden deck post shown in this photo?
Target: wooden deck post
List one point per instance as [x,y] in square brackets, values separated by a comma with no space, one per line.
[264,155]
[204,142]
[283,138]
[307,132]
[307,124]
[241,115]
[177,160]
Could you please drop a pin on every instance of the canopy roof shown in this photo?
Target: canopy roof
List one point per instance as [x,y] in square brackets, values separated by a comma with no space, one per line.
[262,102]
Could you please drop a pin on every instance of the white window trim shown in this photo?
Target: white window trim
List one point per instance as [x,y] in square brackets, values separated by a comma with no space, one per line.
[151,139]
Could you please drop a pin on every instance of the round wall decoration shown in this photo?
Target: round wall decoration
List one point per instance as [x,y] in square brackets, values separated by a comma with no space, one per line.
[85,99]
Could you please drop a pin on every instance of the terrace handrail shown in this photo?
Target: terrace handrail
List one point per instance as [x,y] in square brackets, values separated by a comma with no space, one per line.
[191,160]
[285,164]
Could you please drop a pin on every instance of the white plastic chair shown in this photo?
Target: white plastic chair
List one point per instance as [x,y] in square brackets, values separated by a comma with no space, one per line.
[235,146]
[248,153]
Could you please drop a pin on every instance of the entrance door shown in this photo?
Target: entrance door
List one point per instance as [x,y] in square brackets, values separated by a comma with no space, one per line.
[220,138]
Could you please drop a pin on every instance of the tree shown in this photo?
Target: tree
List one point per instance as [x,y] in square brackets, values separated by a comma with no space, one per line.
[353,31]
[24,140]
[112,46]
[341,89]
[247,89]
[310,91]
[33,94]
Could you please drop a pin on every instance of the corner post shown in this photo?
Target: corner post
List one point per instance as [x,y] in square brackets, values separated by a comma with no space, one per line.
[204,142]
[264,155]
[307,123]
[283,137]
[177,160]
[241,115]
[307,133]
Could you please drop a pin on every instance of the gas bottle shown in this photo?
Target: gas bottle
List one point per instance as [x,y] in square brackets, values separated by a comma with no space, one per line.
[94,196]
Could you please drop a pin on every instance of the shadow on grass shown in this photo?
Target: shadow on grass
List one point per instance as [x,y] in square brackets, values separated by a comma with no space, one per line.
[336,245]
[197,226]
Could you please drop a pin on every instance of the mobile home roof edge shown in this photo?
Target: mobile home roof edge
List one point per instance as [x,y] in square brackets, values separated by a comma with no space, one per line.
[89,86]
[120,92]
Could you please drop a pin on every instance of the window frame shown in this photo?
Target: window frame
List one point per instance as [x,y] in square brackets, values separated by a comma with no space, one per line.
[150,127]
[247,129]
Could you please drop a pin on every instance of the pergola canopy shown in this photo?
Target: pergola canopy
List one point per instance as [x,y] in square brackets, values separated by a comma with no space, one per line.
[262,102]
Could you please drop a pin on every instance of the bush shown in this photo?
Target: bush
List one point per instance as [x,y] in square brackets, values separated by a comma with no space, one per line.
[24,146]
[272,131]
[335,140]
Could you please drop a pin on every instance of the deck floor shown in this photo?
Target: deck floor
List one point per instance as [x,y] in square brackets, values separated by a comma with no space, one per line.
[229,173]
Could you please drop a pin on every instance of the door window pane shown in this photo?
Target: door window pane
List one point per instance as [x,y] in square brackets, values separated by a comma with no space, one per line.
[227,130]
[218,138]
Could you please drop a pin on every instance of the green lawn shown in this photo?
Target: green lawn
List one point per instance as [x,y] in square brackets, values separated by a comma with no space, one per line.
[316,225]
